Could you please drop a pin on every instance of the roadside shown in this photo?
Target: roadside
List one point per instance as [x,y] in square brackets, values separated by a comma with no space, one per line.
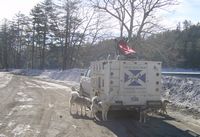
[39,108]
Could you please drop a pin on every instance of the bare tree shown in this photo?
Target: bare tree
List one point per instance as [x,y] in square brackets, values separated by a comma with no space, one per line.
[137,17]
[80,24]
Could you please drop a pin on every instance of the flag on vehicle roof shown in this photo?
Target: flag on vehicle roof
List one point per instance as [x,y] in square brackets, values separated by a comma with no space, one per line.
[124,48]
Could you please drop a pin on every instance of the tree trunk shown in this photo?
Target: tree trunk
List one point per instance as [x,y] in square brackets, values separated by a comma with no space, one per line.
[67,37]
[43,47]
[32,49]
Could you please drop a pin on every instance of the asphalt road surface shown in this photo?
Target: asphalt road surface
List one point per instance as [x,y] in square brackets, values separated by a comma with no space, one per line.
[32,107]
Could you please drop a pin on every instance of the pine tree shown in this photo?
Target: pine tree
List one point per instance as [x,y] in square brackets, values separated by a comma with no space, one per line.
[4,44]
[38,17]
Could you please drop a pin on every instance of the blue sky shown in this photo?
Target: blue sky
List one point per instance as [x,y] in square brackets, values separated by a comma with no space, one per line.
[8,8]
[187,9]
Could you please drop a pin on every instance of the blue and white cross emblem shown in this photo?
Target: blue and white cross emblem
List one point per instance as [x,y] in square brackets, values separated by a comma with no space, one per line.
[134,78]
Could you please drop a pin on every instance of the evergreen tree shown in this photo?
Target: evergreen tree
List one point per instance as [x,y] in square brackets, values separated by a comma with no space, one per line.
[4,37]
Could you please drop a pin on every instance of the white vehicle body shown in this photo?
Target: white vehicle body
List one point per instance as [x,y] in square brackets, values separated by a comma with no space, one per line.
[130,84]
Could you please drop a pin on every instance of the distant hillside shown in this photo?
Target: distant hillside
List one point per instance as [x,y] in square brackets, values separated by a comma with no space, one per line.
[175,48]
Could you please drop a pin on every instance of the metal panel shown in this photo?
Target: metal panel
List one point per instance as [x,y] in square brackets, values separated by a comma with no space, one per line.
[130,82]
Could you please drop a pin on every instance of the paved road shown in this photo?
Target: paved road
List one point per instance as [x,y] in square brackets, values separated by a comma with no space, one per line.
[31,107]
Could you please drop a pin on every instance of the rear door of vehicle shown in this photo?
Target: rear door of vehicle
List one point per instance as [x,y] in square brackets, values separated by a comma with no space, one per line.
[133,82]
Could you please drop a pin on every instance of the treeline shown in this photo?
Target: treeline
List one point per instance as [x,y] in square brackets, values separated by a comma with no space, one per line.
[70,33]
[179,48]
[50,37]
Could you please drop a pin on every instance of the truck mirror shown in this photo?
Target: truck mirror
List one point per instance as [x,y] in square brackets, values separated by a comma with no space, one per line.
[82,74]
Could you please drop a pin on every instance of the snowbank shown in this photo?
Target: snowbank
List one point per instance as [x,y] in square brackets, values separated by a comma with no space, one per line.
[66,75]
[4,79]
[182,91]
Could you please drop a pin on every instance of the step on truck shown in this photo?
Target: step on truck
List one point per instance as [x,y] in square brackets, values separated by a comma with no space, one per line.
[129,84]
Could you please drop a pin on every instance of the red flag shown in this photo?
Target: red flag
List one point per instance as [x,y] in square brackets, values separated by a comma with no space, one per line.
[124,48]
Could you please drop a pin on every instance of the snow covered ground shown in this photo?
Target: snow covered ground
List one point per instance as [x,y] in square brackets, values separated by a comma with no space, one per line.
[181,91]
[66,75]
[4,79]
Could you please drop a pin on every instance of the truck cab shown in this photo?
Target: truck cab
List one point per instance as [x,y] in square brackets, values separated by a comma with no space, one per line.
[85,83]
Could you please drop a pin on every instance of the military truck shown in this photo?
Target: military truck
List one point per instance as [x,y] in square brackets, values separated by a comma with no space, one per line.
[130,84]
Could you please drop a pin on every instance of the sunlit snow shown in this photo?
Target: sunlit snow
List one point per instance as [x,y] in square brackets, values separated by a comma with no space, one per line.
[4,79]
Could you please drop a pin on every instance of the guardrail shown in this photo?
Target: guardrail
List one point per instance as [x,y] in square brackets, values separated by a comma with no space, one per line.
[192,74]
